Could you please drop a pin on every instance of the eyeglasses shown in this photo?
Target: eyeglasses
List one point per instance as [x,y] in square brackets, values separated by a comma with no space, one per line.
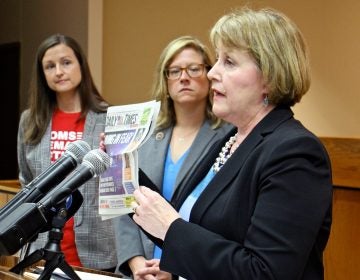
[193,70]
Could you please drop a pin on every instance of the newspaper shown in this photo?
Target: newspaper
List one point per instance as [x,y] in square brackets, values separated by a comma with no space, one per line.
[127,127]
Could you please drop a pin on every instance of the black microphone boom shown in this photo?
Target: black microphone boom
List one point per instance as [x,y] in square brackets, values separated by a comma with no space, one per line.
[26,221]
[48,179]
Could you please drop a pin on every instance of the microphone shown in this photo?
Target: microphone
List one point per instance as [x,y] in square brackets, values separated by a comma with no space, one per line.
[94,163]
[29,219]
[48,179]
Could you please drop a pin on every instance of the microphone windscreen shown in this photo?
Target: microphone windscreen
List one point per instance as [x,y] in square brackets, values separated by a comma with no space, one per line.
[78,149]
[97,161]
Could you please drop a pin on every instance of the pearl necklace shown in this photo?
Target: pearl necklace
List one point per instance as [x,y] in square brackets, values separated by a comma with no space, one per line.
[225,154]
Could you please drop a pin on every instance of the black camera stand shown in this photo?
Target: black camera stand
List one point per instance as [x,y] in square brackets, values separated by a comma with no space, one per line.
[51,253]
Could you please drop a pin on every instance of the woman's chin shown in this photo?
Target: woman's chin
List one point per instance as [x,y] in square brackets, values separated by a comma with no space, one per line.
[219,112]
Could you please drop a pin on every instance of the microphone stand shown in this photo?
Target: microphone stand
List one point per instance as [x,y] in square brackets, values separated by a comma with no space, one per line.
[51,253]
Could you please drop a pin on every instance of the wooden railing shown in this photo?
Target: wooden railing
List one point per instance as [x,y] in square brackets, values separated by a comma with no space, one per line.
[345,160]
[342,254]
[8,188]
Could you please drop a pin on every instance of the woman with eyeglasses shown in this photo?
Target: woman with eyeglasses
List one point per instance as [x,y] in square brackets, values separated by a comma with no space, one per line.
[259,205]
[186,128]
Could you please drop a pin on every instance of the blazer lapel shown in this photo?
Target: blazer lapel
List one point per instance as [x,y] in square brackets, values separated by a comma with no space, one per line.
[192,179]
[197,151]
[45,149]
[89,128]
[225,176]
[153,154]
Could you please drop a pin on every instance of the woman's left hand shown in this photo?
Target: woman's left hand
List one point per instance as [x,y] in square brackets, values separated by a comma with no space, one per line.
[152,212]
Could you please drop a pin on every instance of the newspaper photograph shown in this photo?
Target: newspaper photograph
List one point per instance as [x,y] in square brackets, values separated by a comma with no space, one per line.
[127,127]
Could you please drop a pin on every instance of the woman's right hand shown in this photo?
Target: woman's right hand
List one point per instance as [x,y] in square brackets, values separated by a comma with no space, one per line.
[136,264]
[152,271]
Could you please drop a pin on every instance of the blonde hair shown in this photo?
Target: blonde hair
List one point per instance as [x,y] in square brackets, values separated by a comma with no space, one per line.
[277,46]
[160,92]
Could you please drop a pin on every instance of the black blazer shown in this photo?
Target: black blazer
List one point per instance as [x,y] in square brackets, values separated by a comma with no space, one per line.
[265,215]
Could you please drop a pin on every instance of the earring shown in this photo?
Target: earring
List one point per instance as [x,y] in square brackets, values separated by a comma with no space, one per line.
[266,100]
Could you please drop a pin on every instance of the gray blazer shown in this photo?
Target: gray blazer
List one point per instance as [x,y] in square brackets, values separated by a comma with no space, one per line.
[130,240]
[95,240]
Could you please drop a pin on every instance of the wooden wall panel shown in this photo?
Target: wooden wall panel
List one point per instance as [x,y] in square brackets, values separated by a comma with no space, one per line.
[8,188]
[345,160]
[342,254]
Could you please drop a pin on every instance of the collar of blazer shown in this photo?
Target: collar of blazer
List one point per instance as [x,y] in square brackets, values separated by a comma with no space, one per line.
[197,152]
[236,161]
[159,146]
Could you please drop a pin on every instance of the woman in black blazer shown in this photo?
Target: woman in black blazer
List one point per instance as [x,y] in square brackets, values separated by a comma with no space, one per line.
[259,206]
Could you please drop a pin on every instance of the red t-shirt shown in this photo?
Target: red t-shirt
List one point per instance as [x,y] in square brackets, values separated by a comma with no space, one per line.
[64,130]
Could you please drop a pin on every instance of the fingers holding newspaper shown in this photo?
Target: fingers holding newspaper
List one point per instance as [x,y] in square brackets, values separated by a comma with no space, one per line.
[102,142]
[152,212]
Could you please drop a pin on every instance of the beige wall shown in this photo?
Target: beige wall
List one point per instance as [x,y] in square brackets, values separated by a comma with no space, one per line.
[30,22]
[42,18]
[95,43]
[135,32]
